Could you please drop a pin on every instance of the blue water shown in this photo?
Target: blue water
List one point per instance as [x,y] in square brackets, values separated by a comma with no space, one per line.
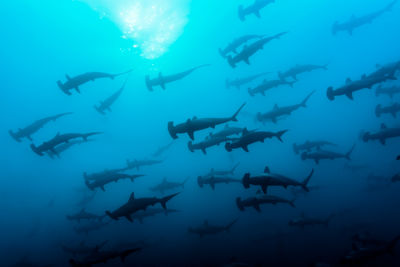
[41,42]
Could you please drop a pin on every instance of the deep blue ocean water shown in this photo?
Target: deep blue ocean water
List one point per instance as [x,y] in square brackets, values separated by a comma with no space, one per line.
[42,41]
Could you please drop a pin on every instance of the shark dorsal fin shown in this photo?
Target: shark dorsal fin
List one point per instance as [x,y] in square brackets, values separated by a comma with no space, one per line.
[266,169]
[194,118]
[363,76]
[383,126]
[348,80]
[132,196]
[245,131]
[67,76]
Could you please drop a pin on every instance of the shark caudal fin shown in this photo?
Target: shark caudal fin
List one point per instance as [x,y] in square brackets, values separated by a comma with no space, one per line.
[200,181]
[85,136]
[239,203]
[14,136]
[378,110]
[279,135]
[305,182]
[304,102]
[246,180]
[233,118]
[171,130]
[291,203]
[295,148]
[347,155]
[241,13]
[329,93]
[164,200]
[190,146]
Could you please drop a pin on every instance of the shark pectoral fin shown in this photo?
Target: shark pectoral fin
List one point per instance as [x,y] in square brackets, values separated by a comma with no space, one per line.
[77,89]
[162,85]
[264,188]
[129,218]
[191,135]
[29,138]
[102,188]
[109,109]
[257,207]
[257,13]
[247,61]
[204,151]
[263,93]
[350,95]
[245,148]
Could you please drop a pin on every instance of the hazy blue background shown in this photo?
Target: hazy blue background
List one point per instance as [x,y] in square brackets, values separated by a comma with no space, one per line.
[41,42]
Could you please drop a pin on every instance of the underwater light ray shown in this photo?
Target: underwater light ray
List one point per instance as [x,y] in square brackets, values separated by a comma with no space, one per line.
[152,25]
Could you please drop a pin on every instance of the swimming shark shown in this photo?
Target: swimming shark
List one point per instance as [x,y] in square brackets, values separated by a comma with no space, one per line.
[255,202]
[210,141]
[383,134]
[161,150]
[213,180]
[77,81]
[84,215]
[108,102]
[299,69]
[162,80]
[29,130]
[250,137]
[267,85]
[59,139]
[135,204]
[389,90]
[65,146]
[100,256]
[167,185]
[319,155]
[197,124]
[232,47]
[277,111]
[250,50]
[131,164]
[352,86]
[268,179]
[150,212]
[214,172]
[227,131]
[253,8]
[242,81]
[115,177]
[355,22]
[208,229]
[392,109]
[309,145]
[304,221]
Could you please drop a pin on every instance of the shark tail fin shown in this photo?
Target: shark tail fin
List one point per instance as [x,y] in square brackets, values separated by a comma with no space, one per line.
[63,88]
[36,150]
[347,155]
[233,118]
[366,136]
[228,147]
[241,13]
[378,110]
[229,225]
[231,61]
[164,200]
[221,53]
[305,182]
[279,135]
[85,136]
[304,102]
[97,108]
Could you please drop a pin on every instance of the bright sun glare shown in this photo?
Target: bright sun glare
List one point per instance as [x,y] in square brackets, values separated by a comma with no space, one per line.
[152,25]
